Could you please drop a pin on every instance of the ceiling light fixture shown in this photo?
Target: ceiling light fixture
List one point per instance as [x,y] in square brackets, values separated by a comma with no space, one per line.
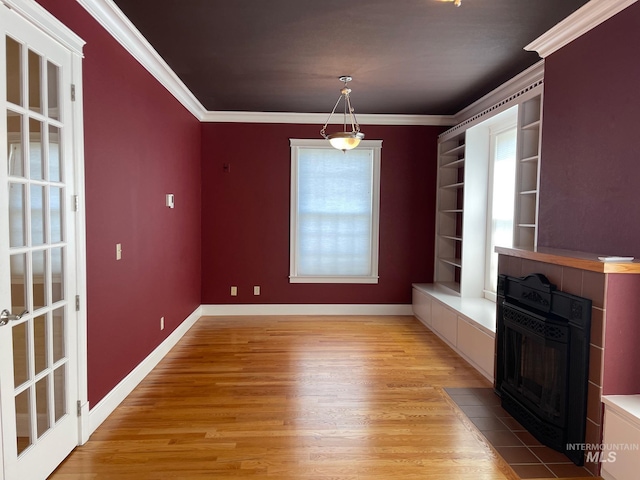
[344,140]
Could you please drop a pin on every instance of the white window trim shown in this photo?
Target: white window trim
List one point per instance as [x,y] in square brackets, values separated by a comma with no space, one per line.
[294,277]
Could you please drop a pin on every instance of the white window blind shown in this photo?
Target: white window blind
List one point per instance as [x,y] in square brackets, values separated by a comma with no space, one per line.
[334,213]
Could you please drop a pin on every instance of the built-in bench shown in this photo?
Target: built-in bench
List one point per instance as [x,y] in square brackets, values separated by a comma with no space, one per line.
[467,325]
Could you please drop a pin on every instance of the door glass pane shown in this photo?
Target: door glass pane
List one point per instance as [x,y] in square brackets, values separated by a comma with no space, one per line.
[35,85]
[58,334]
[59,383]
[55,211]
[14,144]
[36,160]
[14,78]
[37,215]
[23,421]
[42,405]
[16,215]
[39,279]
[57,275]
[54,93]
[55,175]
[40,343]
[18,283]
[20,338]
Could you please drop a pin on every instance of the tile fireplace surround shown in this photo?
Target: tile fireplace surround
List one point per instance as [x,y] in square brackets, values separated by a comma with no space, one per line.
[614,289]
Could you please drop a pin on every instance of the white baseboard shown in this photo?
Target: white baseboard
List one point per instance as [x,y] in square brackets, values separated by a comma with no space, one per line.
[304,309]
[110,402]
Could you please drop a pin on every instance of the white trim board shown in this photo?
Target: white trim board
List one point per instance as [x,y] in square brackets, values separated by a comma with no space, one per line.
[114,398]
[45,21]
[107,14]
[511,89]
[577,24]
[306,309]
[321,118]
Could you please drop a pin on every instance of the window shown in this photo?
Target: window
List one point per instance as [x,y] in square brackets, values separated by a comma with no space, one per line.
[334,212]
[501,209]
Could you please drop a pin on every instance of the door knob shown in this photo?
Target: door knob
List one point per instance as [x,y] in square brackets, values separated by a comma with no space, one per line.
[6,316]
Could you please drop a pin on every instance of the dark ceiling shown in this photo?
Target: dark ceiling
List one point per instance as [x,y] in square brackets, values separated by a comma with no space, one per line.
[424,57]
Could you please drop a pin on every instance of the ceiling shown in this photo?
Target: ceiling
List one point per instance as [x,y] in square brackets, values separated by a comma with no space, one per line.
[423,57]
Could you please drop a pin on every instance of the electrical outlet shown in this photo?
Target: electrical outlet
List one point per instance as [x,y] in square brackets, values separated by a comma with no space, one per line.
[256,290]
[234,291]
[161,323]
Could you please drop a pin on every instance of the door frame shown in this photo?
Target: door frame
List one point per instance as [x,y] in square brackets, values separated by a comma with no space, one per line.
[44,21]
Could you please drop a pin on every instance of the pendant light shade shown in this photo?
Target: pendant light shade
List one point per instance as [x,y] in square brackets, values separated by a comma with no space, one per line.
[344,140]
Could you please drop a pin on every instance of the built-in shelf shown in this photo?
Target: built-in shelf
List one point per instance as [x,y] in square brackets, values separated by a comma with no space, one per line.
[459,149]
[450,199]
[531,125]
[454,164]
[449,237]
[454,185]
[462,195]
[456,262]
[528,172]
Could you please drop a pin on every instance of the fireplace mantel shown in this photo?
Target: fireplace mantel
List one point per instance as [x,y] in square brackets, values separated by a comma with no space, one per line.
[569,258]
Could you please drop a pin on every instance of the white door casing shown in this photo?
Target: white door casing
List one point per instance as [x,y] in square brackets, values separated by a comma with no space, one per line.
[43,387]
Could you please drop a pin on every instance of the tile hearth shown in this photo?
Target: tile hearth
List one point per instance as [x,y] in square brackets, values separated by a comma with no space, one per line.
[524,454]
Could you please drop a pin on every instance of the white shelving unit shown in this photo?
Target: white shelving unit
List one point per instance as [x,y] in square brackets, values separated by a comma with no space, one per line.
[451,160]
[528,172]
[463,160]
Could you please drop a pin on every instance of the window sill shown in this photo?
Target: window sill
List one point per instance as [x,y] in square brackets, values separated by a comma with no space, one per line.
[332,279]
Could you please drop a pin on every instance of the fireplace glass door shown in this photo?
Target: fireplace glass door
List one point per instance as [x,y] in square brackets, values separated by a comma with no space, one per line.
[536,371]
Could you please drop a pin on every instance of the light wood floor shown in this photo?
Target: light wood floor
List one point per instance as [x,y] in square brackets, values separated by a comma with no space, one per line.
[325,398]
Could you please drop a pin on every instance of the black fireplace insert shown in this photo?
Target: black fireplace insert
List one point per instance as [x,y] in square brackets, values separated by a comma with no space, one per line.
[542,347]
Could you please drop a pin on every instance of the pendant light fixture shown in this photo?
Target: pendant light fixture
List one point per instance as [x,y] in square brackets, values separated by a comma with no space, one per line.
[344,140]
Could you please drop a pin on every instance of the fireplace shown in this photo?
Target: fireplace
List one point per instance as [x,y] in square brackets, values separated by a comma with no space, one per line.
[542,338]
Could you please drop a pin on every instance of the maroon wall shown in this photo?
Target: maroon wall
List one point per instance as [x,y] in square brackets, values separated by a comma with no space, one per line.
[245,215]
[589,196]
[621,374]
[140,144]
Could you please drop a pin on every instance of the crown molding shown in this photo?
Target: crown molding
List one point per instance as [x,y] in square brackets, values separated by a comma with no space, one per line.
[580,22]
[321,118]
[43,19]
[515,86]
[107,13]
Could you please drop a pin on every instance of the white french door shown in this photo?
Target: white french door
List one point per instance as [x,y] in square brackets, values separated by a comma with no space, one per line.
[38,335]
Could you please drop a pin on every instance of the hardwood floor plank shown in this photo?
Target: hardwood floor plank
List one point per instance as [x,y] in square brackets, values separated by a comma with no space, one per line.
[326,398]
